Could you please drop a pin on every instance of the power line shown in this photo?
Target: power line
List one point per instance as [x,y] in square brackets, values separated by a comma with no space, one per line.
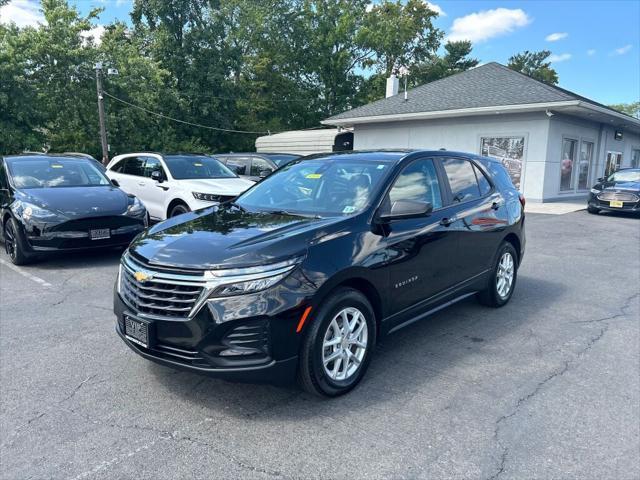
[166,117]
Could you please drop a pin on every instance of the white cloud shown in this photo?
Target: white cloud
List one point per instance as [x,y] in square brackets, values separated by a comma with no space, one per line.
[591,52]
[482,26]
[563,57]
[95,33]
[554,37]
[122,2]
[22,12]
[622,50]
[436,8]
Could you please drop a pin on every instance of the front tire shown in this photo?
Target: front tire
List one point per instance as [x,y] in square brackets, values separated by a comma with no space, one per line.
[503,277]
[593,210]
[338,345]
[14,243]
[179,209]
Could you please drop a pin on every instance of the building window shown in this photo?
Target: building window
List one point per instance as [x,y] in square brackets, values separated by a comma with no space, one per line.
[614,160]
[510,152]
[635,158]
[584,166]
[567,163]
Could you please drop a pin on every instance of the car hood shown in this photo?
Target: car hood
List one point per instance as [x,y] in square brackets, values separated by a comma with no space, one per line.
[622,186]
[217,186]
[228,237]
[76,202]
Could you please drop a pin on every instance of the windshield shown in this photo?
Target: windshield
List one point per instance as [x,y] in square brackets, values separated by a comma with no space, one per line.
[189,167]
[55,172]
[281,158]
[625,176]
[324,187]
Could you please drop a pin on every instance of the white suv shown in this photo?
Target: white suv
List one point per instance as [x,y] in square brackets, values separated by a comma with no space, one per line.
[169,185]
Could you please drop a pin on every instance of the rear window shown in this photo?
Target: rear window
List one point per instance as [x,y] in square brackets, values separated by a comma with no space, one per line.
[499,174]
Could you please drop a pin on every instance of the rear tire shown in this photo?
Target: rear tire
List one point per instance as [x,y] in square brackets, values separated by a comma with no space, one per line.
[179,209]
[14,243]
[593,210]
[335,354]
[502,280]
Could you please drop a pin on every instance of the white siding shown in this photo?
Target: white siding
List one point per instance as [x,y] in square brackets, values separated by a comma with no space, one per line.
[464,134]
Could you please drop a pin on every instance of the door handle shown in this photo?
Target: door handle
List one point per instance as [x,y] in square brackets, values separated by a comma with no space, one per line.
[445,222]
[142,184]
[496,205]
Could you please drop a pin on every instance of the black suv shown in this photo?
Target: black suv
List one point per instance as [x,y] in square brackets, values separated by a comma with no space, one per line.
[306,270]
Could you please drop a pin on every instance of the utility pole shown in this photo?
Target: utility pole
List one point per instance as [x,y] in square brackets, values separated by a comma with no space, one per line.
[103,127]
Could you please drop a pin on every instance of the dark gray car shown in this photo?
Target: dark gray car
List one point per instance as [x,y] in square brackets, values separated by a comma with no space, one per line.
[255,166]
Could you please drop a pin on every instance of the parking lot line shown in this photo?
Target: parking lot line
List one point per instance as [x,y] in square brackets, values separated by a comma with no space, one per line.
[33,278]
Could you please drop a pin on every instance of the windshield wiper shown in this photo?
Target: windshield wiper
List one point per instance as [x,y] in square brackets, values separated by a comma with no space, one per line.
[237,205]
[286,212]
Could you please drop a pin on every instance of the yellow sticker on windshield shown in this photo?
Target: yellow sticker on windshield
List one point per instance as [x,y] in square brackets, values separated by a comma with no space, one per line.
[314,175]
[56,165]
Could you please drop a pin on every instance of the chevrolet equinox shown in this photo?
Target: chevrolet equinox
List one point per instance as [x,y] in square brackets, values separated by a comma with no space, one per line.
[304,272]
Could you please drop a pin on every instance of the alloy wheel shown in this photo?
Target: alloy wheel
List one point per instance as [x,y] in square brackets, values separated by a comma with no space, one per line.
[10,240]
[505,274]
[345,344]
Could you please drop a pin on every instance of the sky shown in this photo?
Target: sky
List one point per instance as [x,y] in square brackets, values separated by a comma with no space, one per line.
[595,44]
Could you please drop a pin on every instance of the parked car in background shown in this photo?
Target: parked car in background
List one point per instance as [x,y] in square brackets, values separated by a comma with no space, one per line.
[255,166]
[172,184]
[620,192]
[307,269]
[51,202]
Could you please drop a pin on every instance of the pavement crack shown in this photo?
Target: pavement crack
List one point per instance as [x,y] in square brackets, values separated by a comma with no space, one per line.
[622,313]
[78,387]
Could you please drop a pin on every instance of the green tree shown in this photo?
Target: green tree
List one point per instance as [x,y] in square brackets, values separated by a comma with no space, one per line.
[631,109]
[455,60]
[535,65]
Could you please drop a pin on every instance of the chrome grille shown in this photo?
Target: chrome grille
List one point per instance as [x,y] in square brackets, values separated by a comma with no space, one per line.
[162,294]
[618,196]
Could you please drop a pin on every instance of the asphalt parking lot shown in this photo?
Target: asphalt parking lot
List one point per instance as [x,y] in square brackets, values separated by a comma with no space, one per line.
[547,387]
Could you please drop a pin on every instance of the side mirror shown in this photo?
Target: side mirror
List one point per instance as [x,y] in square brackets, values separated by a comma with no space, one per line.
[157,176]
[407,209]
[601,180]
[114,182]
[265,173]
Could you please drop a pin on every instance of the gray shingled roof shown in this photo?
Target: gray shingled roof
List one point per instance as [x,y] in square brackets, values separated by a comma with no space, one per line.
[489,85]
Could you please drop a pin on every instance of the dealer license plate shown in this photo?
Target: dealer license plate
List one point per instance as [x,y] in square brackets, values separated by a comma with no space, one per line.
[136,331]
[615,203]
[99,233]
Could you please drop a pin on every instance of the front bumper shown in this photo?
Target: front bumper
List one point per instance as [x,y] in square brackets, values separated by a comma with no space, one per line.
[248,338]
[75,234]
[629,207]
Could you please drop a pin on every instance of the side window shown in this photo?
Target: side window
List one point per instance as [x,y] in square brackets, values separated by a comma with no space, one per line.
[418,181]
[462,179]
[151,165]
[3,177]
[258,165]
[483,183]
[134,166]
[241,165]
[119,167]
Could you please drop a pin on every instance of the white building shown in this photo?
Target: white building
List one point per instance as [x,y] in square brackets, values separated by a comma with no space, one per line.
[554,143]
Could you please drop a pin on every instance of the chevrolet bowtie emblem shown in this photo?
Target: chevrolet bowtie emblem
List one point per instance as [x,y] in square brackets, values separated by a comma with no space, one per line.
[142,276]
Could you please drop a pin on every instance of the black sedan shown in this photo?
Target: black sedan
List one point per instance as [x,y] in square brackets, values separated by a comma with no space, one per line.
[620,192]
[50,202]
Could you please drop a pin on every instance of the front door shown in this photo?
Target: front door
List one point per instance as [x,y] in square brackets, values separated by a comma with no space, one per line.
[419,251]
[614,160]
[153,192]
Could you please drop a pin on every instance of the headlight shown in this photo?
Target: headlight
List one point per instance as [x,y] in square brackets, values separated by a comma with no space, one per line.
[35,212]
[136,209]
[206,197]
[595,191]
[240,281]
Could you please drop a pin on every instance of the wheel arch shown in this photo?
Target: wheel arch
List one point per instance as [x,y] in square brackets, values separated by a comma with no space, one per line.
[173,203]
[360,283]
[513,239]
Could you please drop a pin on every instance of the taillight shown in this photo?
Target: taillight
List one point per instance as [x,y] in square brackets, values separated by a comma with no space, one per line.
[522,200]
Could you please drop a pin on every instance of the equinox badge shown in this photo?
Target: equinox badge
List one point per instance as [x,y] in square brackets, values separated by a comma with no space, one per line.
[142,277]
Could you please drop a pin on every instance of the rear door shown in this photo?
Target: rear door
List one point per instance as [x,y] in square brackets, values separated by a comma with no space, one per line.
[420,251]
[477,215]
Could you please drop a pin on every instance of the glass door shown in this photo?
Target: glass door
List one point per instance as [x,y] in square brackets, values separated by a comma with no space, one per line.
[614,160]
[567,164]
[584,166]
